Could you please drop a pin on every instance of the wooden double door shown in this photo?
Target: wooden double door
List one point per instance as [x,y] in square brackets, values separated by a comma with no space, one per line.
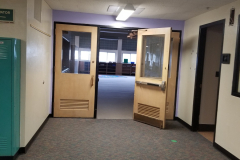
[75,73]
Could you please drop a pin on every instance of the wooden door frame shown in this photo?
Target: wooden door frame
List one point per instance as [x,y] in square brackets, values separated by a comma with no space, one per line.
[199,73]
[97,60]
[176,89]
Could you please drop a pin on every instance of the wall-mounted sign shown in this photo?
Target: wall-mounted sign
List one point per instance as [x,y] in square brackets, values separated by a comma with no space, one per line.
[226,58]
[6,15]
[232,16]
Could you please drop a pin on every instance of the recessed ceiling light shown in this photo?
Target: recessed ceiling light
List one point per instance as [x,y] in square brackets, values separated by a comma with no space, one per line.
[112,8]
[125,13]
[138,10]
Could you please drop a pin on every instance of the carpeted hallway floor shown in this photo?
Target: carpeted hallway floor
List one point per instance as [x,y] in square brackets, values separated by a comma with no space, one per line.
[105,139]
[115,97]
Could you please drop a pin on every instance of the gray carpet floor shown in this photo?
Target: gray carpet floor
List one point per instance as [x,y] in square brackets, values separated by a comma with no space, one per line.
[104,139]
[115,97]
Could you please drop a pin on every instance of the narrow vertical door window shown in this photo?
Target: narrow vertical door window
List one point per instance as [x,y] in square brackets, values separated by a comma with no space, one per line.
[76,52]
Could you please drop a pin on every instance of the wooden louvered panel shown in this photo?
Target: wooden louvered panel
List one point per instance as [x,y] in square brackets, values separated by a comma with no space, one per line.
[148,111]
[74,104]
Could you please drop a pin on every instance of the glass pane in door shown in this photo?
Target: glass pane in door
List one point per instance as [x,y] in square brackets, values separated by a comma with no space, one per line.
[76,52]
[152,56]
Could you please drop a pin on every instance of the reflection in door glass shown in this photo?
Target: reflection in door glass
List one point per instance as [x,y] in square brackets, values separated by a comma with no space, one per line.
[152,56]
[76,52]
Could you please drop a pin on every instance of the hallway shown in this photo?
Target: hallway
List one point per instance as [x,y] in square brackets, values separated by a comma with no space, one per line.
[74,139]
[115,97]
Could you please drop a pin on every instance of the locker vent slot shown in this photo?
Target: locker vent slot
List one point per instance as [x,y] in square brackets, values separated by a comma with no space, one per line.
[148,111]
[74,104]
[3,52]
[3,143]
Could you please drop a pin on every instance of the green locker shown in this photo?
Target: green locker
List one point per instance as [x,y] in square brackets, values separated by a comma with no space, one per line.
[10,58]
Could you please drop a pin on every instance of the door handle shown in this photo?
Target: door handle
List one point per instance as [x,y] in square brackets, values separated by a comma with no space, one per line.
[163,85]
[91,82]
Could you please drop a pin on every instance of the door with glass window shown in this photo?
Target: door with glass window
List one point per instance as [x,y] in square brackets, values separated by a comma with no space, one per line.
[75,70]
[150,95]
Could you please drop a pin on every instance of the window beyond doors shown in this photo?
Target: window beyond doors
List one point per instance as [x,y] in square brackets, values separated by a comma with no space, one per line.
[130,56]
[107,56]
[236,76]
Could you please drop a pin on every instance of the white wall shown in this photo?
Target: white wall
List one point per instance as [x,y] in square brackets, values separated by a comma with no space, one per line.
[38,69]
[18,30]
[35,63]
[228,115]
[210,83]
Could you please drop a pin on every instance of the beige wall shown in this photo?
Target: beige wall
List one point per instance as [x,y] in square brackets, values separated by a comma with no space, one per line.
[228,115]
[38,69]
[212,59]
[18,29]
[35,63]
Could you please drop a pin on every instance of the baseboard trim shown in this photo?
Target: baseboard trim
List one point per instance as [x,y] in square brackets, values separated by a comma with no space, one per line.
[7,158]
[206,127]
[224,151]
[23,150]
[184,123]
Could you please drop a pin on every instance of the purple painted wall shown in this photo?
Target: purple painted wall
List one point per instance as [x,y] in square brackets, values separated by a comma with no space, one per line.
[97,19]
[108,20]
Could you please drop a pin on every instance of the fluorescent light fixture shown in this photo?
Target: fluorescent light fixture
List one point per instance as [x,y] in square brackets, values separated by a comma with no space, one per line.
[125,13]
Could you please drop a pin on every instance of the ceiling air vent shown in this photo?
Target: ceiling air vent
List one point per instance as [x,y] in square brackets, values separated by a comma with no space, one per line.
[138,10]
[112,9]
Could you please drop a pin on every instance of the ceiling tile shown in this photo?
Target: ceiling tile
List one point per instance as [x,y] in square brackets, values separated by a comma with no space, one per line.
[158,9]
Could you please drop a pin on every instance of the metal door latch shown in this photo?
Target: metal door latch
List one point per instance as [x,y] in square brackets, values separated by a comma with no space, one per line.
[163,85]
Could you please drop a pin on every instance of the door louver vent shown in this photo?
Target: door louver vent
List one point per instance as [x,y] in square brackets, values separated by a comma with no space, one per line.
[148,111]
[74,104]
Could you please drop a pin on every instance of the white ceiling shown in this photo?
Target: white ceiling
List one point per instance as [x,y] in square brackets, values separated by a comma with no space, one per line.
[157,9]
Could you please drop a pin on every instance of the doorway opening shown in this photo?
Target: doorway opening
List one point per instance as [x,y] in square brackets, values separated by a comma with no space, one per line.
[208,79]
[116,73]
[81,60]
